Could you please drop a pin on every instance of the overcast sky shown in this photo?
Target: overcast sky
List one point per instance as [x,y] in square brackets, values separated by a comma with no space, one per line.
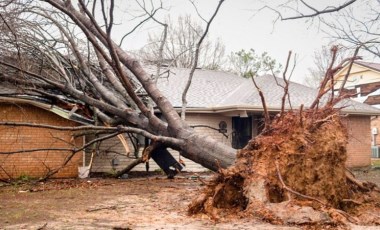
[240,27]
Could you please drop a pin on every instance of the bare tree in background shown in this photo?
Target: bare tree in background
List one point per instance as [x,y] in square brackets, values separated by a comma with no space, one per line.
[321,63]
[357,25]
[180,46]
[351,23]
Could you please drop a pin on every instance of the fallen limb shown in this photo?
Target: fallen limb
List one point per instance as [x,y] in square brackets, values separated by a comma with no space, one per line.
[129,167]
[112,207]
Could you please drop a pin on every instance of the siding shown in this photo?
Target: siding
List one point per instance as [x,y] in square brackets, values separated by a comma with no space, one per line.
[35,164]
[359,75]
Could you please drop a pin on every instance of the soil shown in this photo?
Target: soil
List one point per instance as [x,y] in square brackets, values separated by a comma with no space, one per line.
[142,202]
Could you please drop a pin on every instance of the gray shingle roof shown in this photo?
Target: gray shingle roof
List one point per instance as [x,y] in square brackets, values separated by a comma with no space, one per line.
[207,89]
[216,89]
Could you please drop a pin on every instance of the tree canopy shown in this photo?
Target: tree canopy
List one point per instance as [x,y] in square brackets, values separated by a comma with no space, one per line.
[248,63]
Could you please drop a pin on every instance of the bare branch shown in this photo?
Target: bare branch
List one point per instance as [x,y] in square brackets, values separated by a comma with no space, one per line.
[286,87]
[195,64]
[326,10]
[267,120]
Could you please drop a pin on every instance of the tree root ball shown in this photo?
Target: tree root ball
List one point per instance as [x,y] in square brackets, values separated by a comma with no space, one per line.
[292,173]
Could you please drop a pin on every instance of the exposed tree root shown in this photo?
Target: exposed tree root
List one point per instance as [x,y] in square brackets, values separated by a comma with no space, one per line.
[293,174]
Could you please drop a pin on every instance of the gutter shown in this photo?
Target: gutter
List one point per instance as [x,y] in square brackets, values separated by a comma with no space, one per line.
[259,109]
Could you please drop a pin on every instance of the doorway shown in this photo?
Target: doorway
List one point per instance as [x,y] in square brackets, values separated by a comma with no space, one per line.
[242,131]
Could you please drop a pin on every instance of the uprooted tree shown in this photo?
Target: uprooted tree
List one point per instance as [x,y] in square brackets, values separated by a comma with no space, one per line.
[294,169]
[294,172]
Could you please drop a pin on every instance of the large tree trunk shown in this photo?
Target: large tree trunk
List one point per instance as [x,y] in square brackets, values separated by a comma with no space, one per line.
[208,152]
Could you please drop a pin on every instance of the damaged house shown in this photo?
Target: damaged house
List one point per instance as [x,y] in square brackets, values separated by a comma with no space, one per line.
[220,104]
[34,152]
[228,108]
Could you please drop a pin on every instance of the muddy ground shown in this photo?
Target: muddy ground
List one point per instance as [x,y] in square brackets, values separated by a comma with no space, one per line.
[140,202]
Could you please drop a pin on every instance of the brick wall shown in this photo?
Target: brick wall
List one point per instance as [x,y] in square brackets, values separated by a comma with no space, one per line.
[35,164]
[359,141]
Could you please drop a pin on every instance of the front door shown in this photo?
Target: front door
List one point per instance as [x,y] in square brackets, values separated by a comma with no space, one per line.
[242,131]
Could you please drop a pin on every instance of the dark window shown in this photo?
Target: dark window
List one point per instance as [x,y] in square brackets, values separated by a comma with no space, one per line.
[242,131]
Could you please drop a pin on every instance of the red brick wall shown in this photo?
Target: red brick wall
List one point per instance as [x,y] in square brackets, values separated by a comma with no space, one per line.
[359,141]
[35,164]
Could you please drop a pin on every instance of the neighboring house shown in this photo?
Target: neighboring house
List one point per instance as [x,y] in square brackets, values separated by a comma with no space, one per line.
[17,107]
[363,83]
[228,108]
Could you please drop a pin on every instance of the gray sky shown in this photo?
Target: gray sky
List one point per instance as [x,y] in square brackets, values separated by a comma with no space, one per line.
[241,27]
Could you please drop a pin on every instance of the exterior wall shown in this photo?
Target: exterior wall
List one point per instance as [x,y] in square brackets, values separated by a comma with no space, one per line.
[113,149]
[358,148]
[359,141]
[359,75]
[35,164]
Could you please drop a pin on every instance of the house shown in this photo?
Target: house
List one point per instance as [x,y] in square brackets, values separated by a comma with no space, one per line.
[220,104]
[229,109]
[37,151]
[363,83]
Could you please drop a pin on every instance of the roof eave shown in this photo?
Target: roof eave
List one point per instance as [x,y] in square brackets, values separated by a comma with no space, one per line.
[249,108]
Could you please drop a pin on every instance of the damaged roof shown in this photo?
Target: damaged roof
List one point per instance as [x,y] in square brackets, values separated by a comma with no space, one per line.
[10,93]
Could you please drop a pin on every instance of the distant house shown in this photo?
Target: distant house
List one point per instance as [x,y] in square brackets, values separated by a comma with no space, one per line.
[363,83]
[228,108]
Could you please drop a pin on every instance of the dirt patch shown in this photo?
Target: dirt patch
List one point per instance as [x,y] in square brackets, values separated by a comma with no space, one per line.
[137,203]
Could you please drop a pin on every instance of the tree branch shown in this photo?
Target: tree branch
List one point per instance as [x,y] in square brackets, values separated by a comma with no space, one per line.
[327,10]
[195,64]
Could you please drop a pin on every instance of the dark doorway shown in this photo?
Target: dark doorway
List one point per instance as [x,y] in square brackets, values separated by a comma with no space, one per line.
[242,131]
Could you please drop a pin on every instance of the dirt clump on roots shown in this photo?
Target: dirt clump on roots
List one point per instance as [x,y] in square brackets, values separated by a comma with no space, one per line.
[293,173]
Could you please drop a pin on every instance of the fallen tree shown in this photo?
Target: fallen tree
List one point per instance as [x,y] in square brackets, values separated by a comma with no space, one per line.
[294,172]
[65,52]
